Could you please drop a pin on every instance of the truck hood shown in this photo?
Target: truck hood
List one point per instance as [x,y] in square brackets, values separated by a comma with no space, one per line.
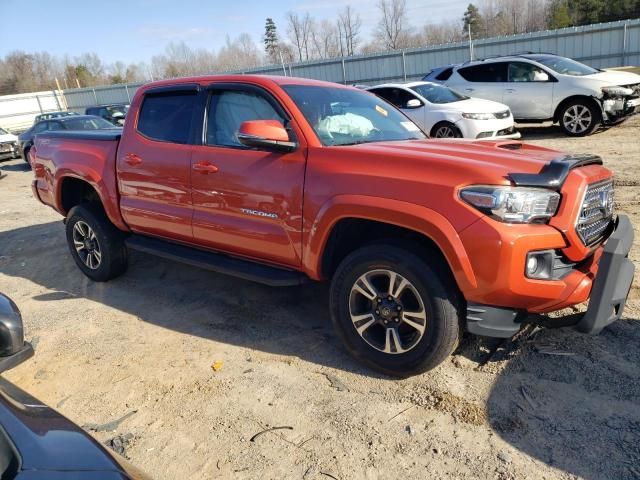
[8,137]
[478,160]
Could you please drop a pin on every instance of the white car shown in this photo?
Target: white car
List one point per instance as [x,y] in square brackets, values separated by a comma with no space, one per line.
[545,87]
[8,145]
[444,113]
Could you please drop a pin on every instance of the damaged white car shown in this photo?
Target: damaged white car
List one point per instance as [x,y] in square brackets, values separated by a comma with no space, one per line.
[540,87]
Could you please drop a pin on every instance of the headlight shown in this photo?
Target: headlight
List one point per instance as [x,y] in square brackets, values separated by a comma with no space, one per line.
[479,116]
[513,204]
[617,91]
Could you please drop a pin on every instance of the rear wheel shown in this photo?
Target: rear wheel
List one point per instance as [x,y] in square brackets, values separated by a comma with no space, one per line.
[96,245]
[395,312]
[445,130]
[579,118]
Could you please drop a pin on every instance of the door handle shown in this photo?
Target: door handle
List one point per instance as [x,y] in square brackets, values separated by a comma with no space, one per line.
[205,168]
[469,89]
[510,90]
[133,159]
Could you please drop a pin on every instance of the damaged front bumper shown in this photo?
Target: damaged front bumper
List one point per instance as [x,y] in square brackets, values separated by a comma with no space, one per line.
[618,107]
[606,302]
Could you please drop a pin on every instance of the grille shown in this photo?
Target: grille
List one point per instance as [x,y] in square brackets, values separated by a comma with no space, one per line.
[597,212]
[504,114]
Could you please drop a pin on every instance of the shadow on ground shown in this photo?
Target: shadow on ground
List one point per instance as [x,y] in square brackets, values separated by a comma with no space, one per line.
[576,409]
[15,167]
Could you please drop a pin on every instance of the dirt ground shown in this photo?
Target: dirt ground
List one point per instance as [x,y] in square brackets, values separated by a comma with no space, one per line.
[553,404]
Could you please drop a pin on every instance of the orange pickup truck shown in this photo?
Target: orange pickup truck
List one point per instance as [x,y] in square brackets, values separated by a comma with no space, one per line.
[281,180]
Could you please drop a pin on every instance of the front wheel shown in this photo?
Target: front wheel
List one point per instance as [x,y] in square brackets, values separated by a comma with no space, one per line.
[580,118]
[393,311]
[445,130]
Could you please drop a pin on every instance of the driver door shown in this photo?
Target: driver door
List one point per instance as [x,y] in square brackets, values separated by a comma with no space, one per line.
[247,201]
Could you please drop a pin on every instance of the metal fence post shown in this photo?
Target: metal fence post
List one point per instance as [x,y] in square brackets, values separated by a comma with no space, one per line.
[39,104]
[94,95]
[344,73]
[126,88]
[624,44]
[404,67]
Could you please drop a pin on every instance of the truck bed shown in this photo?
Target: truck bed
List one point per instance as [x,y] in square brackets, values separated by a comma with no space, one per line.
[100,135]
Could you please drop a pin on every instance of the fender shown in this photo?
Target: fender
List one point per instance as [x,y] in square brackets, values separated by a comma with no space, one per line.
[108,198]
[407,215]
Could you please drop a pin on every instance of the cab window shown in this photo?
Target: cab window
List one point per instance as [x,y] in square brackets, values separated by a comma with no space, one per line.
[167,116]
[228,109]
[487,73]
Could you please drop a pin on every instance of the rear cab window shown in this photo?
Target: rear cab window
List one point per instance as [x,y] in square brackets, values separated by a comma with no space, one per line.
[485,73]
[167,116]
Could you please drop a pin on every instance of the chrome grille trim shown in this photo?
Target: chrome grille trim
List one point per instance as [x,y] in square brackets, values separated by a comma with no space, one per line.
[596,213]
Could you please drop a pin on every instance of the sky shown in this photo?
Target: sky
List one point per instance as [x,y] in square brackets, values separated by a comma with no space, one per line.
[135,30]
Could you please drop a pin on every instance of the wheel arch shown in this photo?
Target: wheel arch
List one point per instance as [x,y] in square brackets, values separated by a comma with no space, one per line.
[344,222]
[74,190]
[588,98]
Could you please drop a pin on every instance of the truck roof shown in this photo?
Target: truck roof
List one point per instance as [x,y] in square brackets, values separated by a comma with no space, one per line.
[259,79]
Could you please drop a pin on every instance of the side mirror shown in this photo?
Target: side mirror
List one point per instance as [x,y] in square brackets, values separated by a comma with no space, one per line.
[117,115]
[13,349]
[266,134]
[414,103]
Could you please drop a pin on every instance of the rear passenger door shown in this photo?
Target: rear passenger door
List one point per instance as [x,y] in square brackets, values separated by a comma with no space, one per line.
[154,163]
[484,80]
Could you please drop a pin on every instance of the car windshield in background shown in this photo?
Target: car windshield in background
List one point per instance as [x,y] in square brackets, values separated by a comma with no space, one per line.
[87,124]
[341,116]
[565,66]
[438,93]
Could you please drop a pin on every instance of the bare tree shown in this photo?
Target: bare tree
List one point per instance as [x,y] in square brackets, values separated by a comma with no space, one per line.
[349,25]
[299,30]
[393,29]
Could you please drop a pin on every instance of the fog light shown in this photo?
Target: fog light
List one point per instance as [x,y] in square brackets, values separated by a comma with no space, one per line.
[539,265]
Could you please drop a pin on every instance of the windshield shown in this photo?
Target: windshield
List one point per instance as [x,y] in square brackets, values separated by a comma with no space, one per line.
[437,93]
[87,124]
[566,66]
[341,116]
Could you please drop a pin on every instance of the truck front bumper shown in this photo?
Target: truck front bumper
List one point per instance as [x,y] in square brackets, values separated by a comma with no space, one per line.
[608,296]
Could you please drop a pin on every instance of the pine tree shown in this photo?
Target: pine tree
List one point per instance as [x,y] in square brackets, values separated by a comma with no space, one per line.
[559,14]
[271,40]
[473,19]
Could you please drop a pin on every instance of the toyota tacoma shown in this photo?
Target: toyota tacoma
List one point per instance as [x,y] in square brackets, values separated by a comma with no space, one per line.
[281,180]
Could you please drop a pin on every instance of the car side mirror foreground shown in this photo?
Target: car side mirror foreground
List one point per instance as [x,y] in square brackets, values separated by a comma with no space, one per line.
[13,349]
[414,103]
[266,134]
[541,77]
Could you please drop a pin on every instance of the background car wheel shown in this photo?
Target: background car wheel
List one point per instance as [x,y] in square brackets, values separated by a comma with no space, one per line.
[26,155]
[579,118]
[393,311]
[445,130]
[95,244]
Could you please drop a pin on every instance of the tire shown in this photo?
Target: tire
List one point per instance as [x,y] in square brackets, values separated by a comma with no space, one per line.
[445,130]
[103,255]
[429,300]
[26,155]
[579,118]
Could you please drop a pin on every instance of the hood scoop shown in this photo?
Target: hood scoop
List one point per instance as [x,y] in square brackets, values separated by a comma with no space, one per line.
[554,173]
[510,145]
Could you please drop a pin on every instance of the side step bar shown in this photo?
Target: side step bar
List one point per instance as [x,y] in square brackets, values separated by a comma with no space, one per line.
[217,262]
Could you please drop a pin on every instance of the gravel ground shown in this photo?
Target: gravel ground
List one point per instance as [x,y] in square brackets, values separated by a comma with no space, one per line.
[552,404]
